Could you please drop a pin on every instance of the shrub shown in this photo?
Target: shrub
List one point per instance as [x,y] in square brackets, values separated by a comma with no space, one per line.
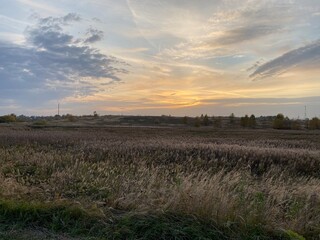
[40,122]
[281,122]
[295,125]
[8,118]
[71,118]
[185,120]
[314,123]
[217,122]
[197,122]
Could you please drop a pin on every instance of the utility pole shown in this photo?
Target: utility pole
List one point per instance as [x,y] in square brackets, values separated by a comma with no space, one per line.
[58,109]
[305,112]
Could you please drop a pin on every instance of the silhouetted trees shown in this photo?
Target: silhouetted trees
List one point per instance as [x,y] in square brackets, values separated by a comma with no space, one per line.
[232,118]
[205,120]
[281,122]
[185,120]
[248,121]
[197,122]
[217,122]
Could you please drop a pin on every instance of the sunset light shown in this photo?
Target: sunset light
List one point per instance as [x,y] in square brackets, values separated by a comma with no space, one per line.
[160,57]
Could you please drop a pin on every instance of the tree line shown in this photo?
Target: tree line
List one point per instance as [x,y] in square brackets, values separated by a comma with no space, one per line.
[276,122]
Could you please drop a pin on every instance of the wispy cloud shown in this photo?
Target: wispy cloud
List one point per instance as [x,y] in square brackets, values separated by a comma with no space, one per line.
[226,30]
[249,101]
[307,57]
[8,20]
[243,34]
[41,7]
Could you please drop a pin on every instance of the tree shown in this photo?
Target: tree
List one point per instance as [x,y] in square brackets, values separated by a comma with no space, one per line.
[95,114]
[206,120]
[252,121]
[281,122]
[247,121]
[278,121]
[8,118]
[244,121]
[232,118]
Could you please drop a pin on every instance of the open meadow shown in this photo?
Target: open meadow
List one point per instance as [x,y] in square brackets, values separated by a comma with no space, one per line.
[159,183]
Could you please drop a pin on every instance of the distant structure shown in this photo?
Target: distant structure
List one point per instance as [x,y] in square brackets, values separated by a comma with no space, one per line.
[305,112]
[58,109]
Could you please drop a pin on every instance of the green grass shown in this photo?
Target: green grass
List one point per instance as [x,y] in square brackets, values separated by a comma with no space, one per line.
[22,220]
[56,217]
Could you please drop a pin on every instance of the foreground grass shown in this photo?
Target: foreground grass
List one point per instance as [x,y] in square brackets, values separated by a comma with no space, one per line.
[151,184]
[20,220]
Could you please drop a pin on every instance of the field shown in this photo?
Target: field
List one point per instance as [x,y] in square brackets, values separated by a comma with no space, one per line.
[159,183]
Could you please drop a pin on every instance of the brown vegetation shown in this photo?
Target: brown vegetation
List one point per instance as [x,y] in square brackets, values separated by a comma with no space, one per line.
[234,177]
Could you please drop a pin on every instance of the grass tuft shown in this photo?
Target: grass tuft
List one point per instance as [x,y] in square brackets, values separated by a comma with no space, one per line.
[76,222]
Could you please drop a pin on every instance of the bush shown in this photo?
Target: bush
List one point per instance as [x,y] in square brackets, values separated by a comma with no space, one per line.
[217,122]
[295,125]
[71,118]
[8,118]
[205,120]
[314,123]
[197,122]
[185,120]
[40,122]
[281,122]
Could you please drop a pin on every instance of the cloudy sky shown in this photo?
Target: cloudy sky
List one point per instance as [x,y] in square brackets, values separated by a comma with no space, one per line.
[154,57]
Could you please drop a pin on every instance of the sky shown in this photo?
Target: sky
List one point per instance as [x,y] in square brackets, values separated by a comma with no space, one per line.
[160,57]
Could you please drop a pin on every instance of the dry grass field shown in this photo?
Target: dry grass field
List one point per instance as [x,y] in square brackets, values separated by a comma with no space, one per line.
[159,183]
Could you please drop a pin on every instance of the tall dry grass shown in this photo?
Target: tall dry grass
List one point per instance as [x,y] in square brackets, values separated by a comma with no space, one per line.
[226,178]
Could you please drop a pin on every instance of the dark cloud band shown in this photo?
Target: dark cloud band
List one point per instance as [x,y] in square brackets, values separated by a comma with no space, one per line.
[304,57]
[54,59]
